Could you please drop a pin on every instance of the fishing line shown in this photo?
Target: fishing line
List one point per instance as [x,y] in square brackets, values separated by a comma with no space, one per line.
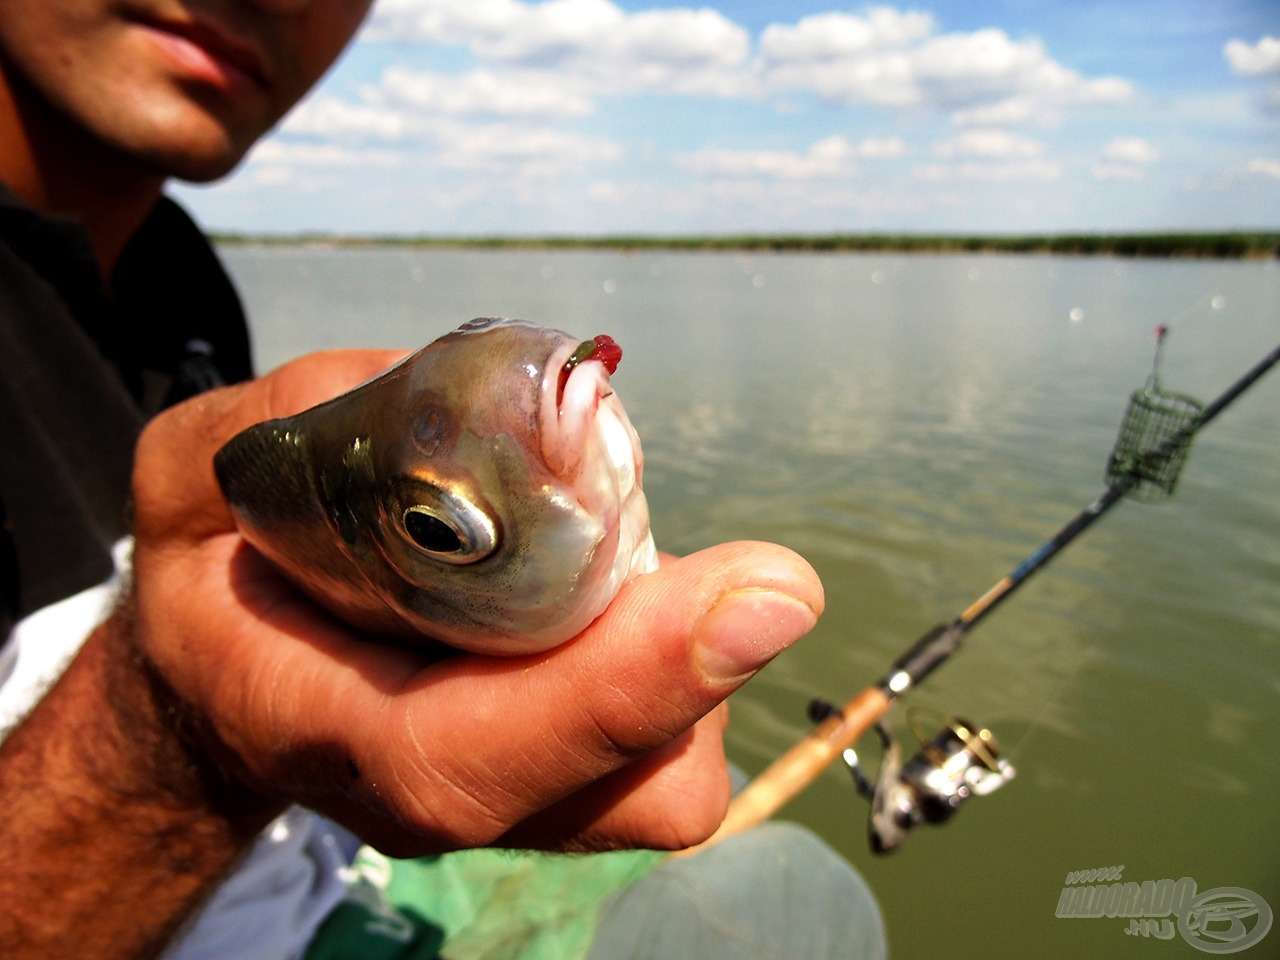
[1208,296]
[964,759]
[1036,723]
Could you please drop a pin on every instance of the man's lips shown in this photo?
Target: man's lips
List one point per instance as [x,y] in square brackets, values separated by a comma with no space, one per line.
[212,53]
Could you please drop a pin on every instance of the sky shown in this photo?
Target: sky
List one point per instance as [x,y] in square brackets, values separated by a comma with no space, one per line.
[598,117]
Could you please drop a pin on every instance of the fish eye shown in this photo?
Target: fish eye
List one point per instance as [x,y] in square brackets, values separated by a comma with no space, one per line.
[452,531]
[430,532]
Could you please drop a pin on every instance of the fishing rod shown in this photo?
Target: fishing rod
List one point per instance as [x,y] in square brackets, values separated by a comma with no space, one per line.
[964,760]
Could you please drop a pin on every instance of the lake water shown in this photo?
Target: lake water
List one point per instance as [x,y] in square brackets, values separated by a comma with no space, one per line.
[915,426]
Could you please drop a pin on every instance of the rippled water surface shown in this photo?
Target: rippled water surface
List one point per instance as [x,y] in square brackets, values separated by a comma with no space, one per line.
[915,426]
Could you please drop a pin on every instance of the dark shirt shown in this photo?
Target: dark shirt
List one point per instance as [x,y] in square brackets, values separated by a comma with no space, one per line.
[82,367]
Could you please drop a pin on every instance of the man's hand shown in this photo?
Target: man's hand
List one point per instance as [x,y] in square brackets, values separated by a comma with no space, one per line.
[217,694]
[611,739]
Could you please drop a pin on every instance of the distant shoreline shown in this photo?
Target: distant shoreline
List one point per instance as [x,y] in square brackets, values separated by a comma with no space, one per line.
[1230,245]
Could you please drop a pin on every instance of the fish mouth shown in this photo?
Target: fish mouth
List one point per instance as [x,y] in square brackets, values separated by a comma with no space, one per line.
[590,446]
[583,421]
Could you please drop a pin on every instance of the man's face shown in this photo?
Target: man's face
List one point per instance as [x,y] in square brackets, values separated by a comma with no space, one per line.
[183,87]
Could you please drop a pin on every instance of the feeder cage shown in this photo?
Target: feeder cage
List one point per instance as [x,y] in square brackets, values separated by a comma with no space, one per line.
[1154,439]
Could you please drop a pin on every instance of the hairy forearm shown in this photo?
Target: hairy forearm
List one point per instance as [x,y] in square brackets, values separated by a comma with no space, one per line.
[111,827]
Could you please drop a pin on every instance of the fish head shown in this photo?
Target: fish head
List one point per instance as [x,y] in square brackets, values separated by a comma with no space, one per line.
[484,493]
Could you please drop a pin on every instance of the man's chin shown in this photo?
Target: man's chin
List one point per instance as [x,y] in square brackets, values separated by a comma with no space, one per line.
[203,173]
[204,165]
[185,139]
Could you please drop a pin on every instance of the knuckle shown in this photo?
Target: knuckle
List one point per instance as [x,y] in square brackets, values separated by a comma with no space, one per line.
[441,814]
[624,725]
[457,800]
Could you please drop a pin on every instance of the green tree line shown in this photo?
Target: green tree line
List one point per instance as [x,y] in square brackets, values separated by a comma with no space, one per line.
[1211,245]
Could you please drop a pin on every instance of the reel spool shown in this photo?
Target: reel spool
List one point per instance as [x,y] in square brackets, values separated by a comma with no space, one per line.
[962,760]
[1155,437]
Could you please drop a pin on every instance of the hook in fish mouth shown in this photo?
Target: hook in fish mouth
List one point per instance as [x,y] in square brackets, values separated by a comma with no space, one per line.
[577,399]
[602,348]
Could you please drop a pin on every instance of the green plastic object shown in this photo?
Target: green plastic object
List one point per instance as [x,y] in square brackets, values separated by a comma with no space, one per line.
[475,905]
[776,891]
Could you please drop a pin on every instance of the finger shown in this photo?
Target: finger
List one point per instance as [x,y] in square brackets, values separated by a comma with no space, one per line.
[316,377]
[173,478]
[668,799]
[668,650]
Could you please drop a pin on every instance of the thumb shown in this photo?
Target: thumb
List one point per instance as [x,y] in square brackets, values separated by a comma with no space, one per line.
[670,648]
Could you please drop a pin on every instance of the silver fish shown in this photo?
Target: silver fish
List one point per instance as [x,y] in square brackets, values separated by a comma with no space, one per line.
[485,492]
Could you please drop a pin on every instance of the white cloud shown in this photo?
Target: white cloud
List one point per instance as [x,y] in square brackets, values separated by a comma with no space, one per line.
[1253,60]
[770,163]
[679,49]
[1117,171]
[334,118]
[504,149]
[1130,150]
[1265,167]
[309,167]
[882,148]
[520,151]
[934,172]
[830,157]
[490,100]
[1261,59]
[840,36]
[784,200]
[995,144]
[499,29]
[646,197]
[1029,171]
[694,37]
[407,103]
[485,93]
[277,152]
[882,56]
[1007,112]
[889,58]
[744,203]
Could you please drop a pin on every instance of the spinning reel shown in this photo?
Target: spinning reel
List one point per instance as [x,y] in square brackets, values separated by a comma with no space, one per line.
[959,762]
